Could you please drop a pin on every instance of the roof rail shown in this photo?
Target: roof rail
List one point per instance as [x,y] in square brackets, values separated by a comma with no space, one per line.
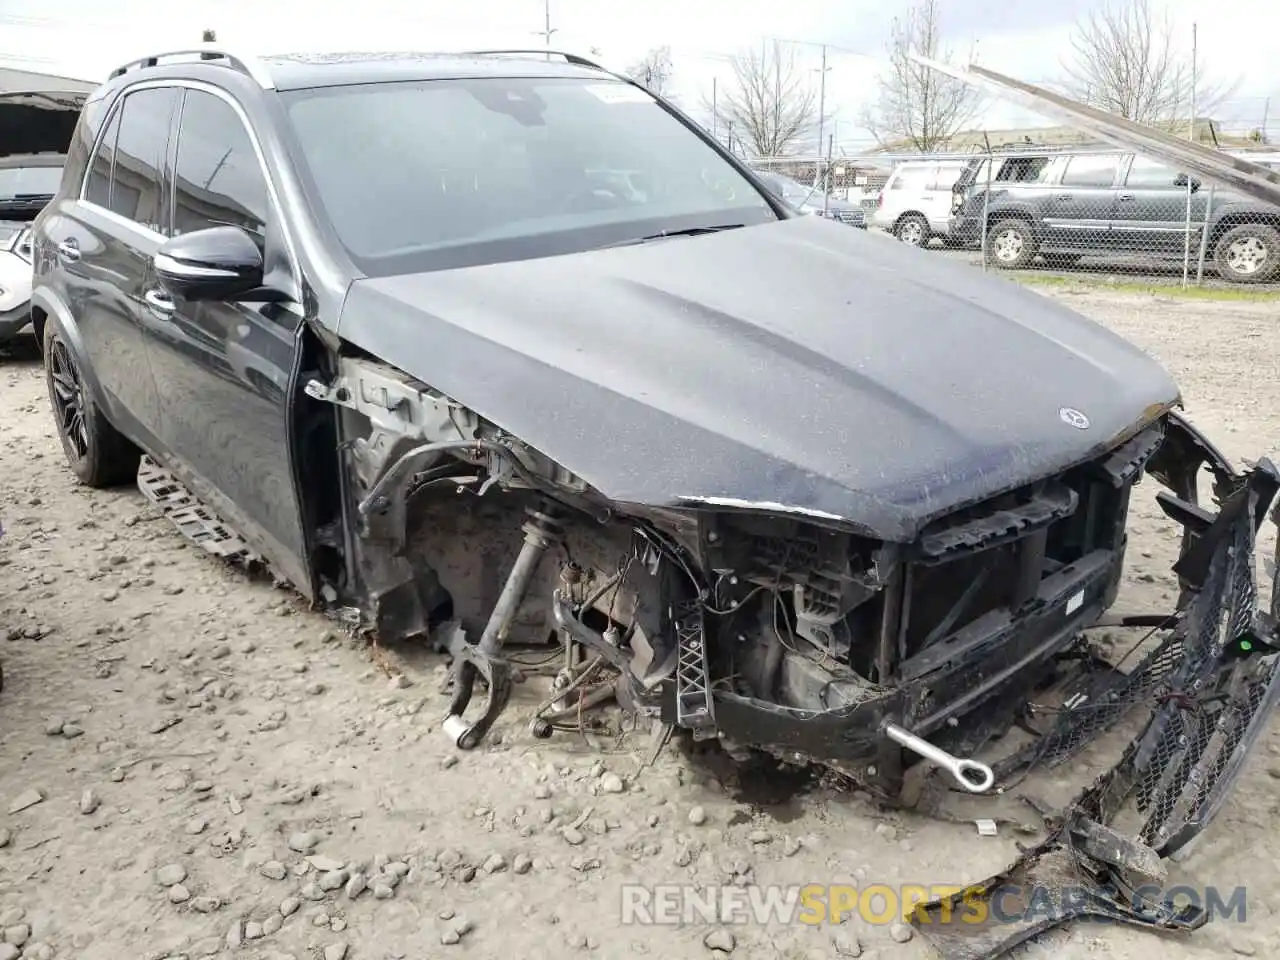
[573,58]
[246,65]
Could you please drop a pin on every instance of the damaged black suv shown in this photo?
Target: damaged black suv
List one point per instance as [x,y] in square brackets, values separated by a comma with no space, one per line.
[501,349]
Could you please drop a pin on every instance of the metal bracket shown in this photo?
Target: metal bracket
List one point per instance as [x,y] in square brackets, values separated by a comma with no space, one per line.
[694,706]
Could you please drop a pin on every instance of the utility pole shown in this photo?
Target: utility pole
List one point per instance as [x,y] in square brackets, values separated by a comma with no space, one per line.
[547,30]
[1266,109]
[822,110]
[715,110]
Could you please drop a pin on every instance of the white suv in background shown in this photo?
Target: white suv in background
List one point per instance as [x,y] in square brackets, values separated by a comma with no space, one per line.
[915,204]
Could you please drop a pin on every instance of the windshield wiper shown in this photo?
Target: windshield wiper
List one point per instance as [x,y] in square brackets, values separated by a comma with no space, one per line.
[686,232]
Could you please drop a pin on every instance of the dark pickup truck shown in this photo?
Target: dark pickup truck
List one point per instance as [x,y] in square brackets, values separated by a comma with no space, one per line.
[1064,207]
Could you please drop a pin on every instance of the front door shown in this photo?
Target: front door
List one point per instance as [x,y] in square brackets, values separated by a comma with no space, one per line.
[1082,201]
[1153,208]
[104,243]
[223,369]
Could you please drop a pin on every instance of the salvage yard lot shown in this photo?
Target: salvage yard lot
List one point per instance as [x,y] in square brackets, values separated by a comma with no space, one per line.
[178,721]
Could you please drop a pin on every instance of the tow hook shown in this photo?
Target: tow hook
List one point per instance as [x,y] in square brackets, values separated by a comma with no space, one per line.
[973,776]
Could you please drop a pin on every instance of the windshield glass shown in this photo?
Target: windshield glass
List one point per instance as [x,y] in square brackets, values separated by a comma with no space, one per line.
[440,173]
[16,182]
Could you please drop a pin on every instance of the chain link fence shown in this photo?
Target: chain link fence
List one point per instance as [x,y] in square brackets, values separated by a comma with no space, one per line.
[1074,210]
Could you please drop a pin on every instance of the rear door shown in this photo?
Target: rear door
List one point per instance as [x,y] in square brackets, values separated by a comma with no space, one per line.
[104,244]
[1082,202]
[938,194]
[1151,209]
[224,367]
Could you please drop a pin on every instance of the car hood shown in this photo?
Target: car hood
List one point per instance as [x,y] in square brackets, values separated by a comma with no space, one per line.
[791,366]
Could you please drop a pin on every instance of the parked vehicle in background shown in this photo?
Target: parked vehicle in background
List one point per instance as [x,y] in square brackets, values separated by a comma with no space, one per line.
[35,129]
[1063,207]
[808,199]
[915,203]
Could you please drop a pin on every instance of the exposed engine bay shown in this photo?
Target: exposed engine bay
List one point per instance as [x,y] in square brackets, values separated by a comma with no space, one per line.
[768,630]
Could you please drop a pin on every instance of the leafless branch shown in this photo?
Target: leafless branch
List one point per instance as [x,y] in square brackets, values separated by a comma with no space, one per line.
[919,107]
[653,71]
[769,105]
[1126,59]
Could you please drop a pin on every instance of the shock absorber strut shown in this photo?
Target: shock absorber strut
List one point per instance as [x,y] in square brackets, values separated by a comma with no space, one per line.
[484,660]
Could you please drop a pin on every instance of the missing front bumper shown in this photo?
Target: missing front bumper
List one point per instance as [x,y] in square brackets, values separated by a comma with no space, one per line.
[1210,686]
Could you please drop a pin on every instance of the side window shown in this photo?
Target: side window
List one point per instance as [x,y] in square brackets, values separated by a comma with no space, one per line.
[145,119]
[1091,171]
[944,177]
[97,187]
[1025,170]
[912,177]
[218,180]
[1149,175]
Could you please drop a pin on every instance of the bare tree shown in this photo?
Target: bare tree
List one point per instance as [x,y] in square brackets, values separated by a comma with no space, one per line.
[769,106]
[653,71]
[209,37]
[916,104]
[1126,59]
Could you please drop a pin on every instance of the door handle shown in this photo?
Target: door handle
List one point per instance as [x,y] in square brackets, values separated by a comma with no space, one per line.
[159,301]
[1126,196]
[69,250]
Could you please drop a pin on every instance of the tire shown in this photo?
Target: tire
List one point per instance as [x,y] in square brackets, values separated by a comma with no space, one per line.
[98,454]
[1248,253]
[913,230]
[1011,245]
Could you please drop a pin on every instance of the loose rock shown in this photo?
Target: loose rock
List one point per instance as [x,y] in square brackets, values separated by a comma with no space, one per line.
[356,885]
[522,863]
[611,783]
[901,932]
[89,801]
[721,940]
[303,842]
[171,874]
[18,934]
[495,864]
[289,906]
[273,870]
[573,836]
[179,894]
[846,944]
[697,816]
[335,951]
[333,880]
[27,798]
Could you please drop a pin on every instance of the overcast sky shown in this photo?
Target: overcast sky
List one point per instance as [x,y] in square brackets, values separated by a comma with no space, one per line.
[1028,39]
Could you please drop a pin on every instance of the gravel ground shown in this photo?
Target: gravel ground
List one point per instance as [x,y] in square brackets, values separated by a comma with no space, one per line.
[196,765]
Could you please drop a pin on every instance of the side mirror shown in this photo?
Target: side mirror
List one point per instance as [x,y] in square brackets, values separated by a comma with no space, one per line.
[217,263]
[1182,180]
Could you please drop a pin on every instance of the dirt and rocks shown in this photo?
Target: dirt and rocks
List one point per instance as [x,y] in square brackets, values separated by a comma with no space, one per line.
[195,765]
